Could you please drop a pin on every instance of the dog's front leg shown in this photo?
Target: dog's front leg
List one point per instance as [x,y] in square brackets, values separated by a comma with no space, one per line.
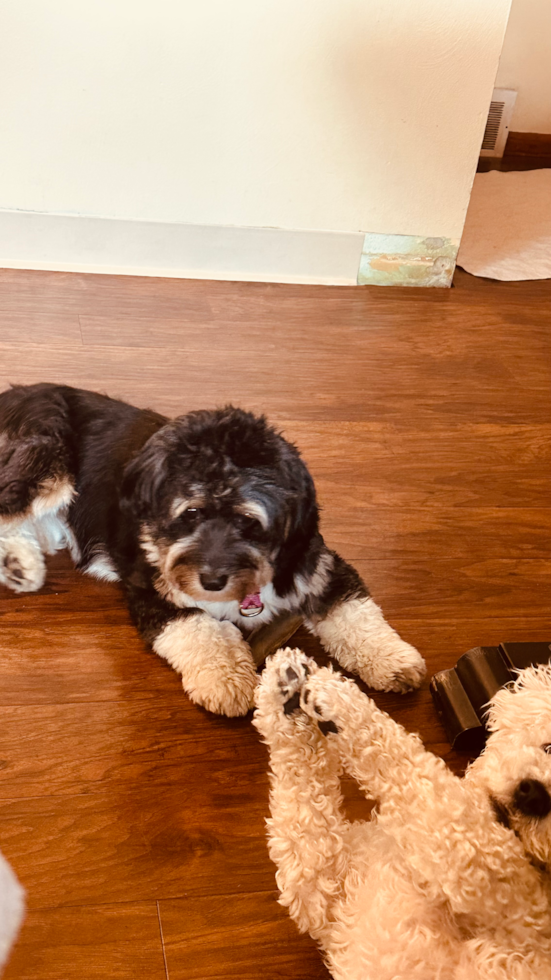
[352,628]
[307,829]
[213,659]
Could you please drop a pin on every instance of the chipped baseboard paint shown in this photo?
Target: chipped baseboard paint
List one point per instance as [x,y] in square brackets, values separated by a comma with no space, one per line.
[407,260]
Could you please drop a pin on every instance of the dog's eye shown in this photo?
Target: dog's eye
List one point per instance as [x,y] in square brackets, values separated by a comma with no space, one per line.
[190,515]
[547,748]
[247,523]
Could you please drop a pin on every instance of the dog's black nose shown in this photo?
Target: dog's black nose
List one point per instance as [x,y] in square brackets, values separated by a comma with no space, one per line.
[532,798]
[213,583]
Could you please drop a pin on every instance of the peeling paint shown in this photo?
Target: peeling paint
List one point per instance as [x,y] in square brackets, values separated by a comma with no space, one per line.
[407,260]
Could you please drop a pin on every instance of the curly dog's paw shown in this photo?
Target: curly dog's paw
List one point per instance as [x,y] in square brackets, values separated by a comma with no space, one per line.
[315,702]
[325,697]
[282,680]
[292,675]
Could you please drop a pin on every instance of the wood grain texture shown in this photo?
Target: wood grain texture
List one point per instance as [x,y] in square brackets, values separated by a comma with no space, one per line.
[64,662]
[133,842]
[254,938]
[135,820]
[315,386]
[529,144]
[449,588]
[59,750]
[32,328]
[425,464]
[94,943]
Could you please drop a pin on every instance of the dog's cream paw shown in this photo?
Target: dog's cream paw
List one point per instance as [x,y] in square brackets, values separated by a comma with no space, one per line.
[410,672]
[356,633]
[22,566]
[232,699]
[214,660]
[395,666]
[226,681]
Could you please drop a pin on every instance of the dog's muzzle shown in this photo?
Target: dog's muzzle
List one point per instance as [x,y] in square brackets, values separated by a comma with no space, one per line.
[532,799]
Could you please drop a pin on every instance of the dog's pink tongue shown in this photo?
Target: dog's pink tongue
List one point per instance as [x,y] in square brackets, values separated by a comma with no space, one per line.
[252,605]
[252,601]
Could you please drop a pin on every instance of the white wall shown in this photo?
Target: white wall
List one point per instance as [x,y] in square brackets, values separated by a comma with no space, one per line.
[333,115]
[525,65]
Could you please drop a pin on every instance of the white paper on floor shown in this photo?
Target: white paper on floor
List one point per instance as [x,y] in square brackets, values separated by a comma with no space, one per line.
[508,228]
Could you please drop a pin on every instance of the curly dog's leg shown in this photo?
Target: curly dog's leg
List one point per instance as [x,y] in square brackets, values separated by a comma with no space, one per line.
[443,825]
[307,830]
[381,756]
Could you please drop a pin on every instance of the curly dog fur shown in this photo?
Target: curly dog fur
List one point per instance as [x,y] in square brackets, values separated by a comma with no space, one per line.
[449,878]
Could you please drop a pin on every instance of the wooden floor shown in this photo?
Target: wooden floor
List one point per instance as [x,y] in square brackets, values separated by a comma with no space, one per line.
[135,820]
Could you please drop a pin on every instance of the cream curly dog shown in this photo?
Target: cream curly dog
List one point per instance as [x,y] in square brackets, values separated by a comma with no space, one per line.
[450,878]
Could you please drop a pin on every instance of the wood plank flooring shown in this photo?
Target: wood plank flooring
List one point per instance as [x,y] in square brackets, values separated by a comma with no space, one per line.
[135,820]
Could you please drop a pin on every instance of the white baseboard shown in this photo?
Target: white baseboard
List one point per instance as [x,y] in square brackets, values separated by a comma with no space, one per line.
[29,240]
[74,243]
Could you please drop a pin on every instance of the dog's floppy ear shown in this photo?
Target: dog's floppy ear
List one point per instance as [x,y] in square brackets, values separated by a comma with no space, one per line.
[303,513]
[145,475]
[302,540]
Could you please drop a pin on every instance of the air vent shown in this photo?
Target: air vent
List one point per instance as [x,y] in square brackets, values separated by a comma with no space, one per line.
[497,126]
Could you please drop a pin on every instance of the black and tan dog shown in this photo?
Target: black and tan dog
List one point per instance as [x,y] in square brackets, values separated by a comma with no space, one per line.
[210,521]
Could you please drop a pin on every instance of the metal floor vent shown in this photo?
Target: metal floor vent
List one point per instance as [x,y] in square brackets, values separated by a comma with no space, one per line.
[499,118]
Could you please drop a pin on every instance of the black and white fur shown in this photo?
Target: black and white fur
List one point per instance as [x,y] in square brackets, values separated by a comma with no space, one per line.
[191,515]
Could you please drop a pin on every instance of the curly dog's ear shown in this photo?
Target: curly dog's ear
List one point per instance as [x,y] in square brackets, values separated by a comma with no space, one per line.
[525,701]
[536,678]
[145,476]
